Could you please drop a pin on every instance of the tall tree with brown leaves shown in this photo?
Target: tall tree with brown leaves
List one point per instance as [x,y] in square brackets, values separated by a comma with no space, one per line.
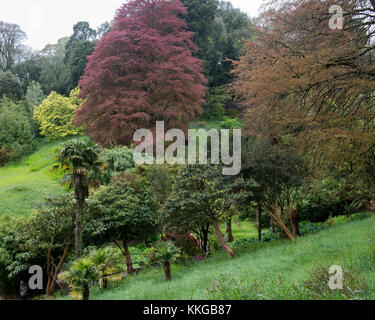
[302,79]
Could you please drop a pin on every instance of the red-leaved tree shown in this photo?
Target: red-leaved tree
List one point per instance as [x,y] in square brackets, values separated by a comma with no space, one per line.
[141,72]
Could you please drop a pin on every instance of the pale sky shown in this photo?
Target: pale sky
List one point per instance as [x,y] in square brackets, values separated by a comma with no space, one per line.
[46,21]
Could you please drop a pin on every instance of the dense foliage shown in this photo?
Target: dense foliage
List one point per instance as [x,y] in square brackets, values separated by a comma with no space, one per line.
[124,210]
[9,86]
[203,197]
[16,131]
[117,160]
[34,95]
[55,115]
[303,95]
[140,72]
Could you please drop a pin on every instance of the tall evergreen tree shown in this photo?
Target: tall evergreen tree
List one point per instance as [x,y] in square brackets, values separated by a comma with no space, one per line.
[79,46]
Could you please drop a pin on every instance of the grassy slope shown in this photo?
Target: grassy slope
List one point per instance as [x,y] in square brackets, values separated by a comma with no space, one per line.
[344,244]
[23,183]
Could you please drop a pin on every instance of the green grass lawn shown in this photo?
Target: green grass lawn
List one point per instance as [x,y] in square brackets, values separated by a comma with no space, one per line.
[344,244]
[23,183]
[242,230]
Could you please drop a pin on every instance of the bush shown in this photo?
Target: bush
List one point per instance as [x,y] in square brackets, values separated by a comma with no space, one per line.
[307,227]
[9,86]
[34,95]
[164,253]
[213,242]
[327,199]
[230,123]
[55,115]
[16,131]
[320,204]
[216,99]
[82,274]
[186,242]
[108,261]
[117,160]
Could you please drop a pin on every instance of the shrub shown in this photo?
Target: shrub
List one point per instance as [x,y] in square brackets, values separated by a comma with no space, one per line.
[117,160]
[230,123]
[124,210]
[216,100]
[34,95]
[9,86]
[82,274]
[213,242]
[188,244]
[108,261]
[16,131]
[164,253]
[307,227]
[55,114]
[329,198]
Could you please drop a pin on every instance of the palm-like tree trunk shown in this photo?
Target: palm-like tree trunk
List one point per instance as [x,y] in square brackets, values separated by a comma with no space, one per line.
[85,292]
[78,232]
[167,270]
[81,193]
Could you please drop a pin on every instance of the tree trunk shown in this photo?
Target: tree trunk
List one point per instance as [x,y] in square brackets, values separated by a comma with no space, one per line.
[204,240]
[128,258]
[58,269]
[78,231]
[272,225]
[81,192]
[167,270]
[259,220]
[229,231]
[85,292]
[49,271]
[279,221]
[222,241]
[295,224]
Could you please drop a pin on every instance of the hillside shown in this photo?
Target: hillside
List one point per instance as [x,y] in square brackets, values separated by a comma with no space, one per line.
[23,183]
[27,181]
[282,266]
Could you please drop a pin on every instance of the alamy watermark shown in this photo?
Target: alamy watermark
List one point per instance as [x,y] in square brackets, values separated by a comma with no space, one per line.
[336,280]
[175,153]
[336,22]
[36,280]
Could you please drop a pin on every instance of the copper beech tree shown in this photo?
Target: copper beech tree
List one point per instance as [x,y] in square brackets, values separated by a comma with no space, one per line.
[140,72]
[312,84]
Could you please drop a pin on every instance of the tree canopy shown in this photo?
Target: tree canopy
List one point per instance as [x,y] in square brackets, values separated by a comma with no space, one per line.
[140,72]
[55,115]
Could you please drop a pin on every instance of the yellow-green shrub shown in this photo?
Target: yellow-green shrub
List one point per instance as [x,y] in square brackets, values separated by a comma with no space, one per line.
[55,115]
